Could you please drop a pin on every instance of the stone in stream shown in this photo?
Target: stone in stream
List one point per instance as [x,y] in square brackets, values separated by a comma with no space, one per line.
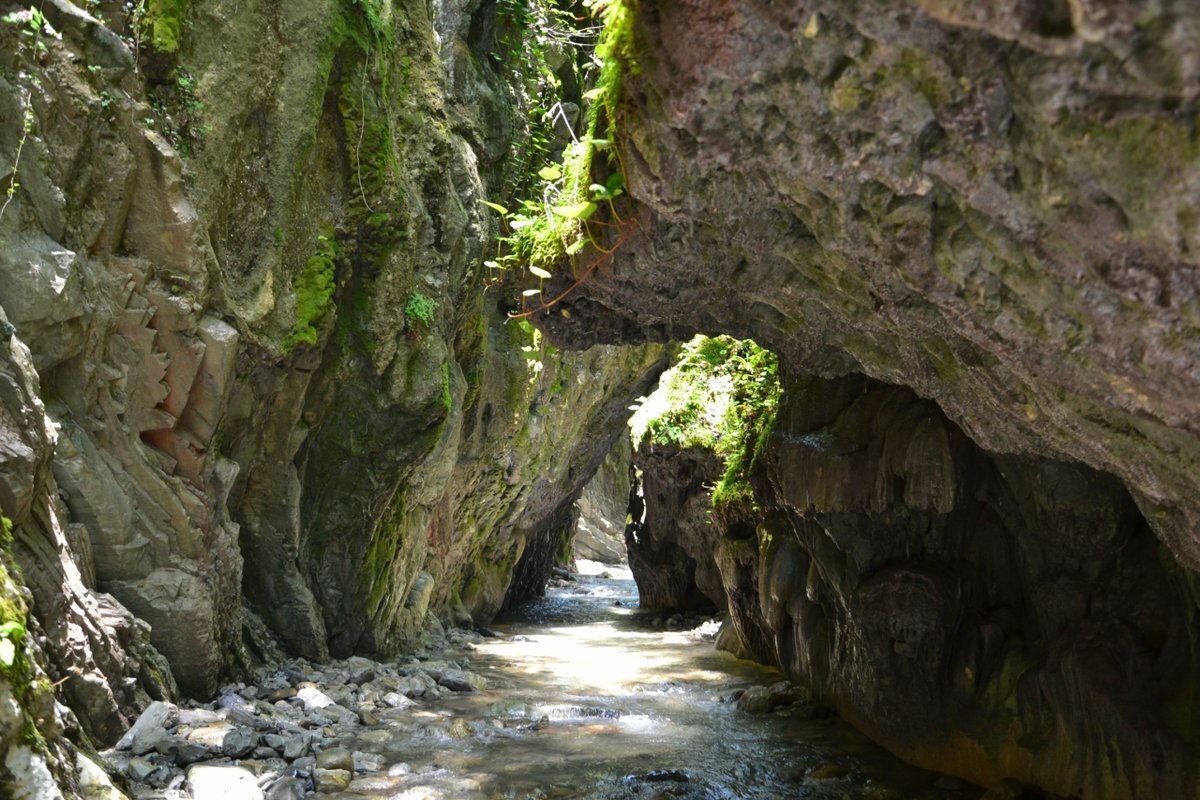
[459,680]
[329,781]
[286,788]
[297,746]
[336,758]
[239,743]
[367,717]
[828,772]
[313,698]
[222,782]
[396,700]
[154,718]
[360,670]
[147,740]
[416,685]
[196,717]
[140,769]
[378,737]
[233,701]
[367,762]
[181,751]
[764,699]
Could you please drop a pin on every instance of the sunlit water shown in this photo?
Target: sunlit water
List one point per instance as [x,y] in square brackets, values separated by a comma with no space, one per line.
[587,700]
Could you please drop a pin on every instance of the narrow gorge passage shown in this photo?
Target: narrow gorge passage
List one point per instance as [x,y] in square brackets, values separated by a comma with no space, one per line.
[319,317]
[588,697]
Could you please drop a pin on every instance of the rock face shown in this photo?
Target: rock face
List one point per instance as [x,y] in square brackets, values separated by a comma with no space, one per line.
[671,543]
[989,615]
[261,360]
[990,205]
[599,531]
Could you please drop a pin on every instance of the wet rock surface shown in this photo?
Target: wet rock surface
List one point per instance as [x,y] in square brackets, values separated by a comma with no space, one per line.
[301,728]
[570,700]
[936,594]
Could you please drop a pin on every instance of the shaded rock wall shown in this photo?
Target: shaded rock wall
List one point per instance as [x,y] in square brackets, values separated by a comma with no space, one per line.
[671,543]
[989,205]
[598,531]
[82,648]
[991,616]
[266,362]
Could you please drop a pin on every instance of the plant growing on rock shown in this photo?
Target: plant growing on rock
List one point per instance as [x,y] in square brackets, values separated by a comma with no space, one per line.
[419,309]
[314,287]
[34,27]
[556,224]
[722,395]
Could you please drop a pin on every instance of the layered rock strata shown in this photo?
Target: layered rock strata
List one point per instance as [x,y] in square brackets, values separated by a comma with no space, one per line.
[266,364]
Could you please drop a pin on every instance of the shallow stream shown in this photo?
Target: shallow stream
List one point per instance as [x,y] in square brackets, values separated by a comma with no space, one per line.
[588,699]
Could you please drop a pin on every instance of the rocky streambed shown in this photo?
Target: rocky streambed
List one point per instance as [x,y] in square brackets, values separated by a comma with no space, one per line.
[574,695]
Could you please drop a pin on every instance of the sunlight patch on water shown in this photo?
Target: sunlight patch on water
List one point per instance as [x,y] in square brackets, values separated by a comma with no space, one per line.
[584,701]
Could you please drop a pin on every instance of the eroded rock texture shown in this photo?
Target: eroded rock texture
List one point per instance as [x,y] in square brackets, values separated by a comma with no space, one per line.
[992,205]
[598,531]
[670,544]
[990,615]
[266,365]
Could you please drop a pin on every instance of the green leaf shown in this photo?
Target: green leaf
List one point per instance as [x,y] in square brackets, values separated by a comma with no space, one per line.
[550,173]
[12,630]
[541,273]
[522,222]
[601,144]
[501,210]
[492,264]
[530,292]
[578,211]
[576,246]
[8,652]
[615,183]
[592,94]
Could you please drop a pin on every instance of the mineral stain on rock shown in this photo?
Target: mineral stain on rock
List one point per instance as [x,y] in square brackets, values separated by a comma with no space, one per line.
[267,391]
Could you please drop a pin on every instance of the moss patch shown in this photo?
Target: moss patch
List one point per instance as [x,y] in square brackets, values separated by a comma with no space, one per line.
[314,293]
[722,395]
[162,21]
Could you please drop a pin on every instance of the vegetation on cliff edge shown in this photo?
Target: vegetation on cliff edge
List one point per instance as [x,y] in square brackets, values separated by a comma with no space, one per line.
[722,395]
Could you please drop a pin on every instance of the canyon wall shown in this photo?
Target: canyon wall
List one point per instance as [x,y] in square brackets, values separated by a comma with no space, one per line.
[258,381]
[968,232]
[261,386]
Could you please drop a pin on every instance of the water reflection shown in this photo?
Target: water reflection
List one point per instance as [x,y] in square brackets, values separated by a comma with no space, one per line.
[586,700]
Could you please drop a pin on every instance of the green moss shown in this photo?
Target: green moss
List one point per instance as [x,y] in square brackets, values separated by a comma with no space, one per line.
[447,396]
[722,395]
[14,619]
[916,67]
[314,288]
[162,20]
[553,225]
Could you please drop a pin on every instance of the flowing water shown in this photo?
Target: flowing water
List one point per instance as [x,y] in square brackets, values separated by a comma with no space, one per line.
[587,699]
